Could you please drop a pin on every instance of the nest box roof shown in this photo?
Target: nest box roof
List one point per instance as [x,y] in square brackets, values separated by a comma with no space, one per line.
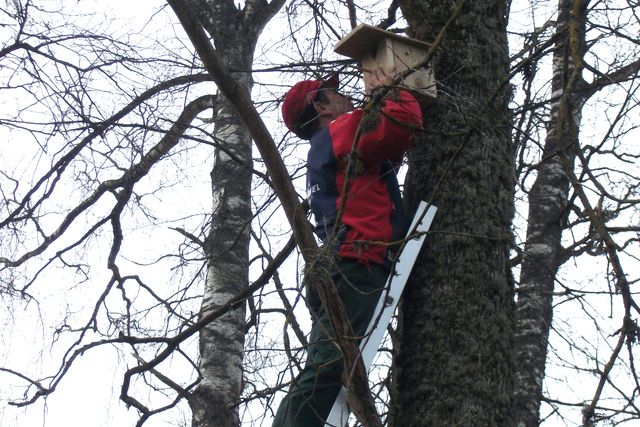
[364,39]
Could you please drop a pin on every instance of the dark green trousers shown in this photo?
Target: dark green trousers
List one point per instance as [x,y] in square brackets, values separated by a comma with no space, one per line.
[314,391]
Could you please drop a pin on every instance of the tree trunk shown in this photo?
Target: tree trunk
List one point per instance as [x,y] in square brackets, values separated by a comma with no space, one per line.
[455,361]
[215,401]
[222,341]
[548,211]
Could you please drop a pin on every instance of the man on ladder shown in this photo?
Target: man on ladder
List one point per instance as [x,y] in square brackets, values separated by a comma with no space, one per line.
[373,217]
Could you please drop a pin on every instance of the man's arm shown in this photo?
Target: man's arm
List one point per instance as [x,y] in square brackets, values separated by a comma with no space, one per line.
[395,127]
[390,133]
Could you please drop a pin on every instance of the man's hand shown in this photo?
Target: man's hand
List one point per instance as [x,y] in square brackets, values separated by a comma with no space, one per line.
[379,78]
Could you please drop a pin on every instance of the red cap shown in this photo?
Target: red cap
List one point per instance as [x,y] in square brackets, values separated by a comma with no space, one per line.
[300,97]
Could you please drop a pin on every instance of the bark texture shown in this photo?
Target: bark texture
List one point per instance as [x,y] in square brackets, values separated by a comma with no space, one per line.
[215,401]
[455,362]
[547,218]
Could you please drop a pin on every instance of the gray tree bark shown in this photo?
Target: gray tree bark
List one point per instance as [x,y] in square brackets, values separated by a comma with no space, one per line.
[235,32]
[455,361]
[547,218]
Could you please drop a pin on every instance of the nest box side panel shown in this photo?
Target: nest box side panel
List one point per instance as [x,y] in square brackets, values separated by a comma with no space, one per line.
[385,57]
[421,83]
[407,56]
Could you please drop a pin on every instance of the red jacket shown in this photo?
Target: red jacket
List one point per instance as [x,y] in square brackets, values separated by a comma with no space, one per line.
[374,214]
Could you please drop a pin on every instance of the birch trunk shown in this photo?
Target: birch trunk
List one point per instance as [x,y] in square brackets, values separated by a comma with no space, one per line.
[215,401]
[455,361]
[547,218]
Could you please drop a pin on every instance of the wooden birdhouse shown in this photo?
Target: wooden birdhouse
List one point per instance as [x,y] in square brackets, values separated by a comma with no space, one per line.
[374,48]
